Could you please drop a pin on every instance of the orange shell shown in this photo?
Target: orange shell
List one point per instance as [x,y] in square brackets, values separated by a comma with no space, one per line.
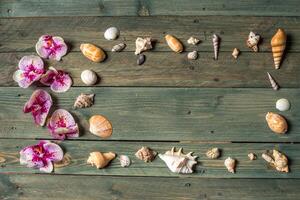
[277,123]
[100,126]
[92,52]
[278,44]
[174,43]
[100,160]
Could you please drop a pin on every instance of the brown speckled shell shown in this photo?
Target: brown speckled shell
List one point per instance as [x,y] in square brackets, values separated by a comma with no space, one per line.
[174,43]
[100,126]
[92,52]
[277,123]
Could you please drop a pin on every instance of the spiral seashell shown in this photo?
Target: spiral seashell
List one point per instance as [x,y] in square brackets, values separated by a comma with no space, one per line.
[252,156]
[146,154]
[193,41]
[118,47]
[174,43]
[100,126]
[235,53]
[89,77]
[277,123]
[192,55]
[124,161]
[216,43]
[253,40]
[100,160]
[230,164]
[213,153]
[278,44]
[142,44]
[277,160]
[84,101]
[274,85]
[92,52]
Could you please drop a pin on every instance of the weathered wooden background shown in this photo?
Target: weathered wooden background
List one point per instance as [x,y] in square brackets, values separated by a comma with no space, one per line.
[169,101]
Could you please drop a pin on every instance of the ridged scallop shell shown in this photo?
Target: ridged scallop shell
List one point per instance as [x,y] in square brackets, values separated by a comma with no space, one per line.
[178,162]
[100,126]
[92,52]
[118,47]
[283,104]
[89,77]
[253,40]
[142,44]
[174,43]
[100,160]
[146,154]
[84,101]
[230,164]
[193,41]
[277,123]
[192,55]
[213,153]
[235,53]
[277,160]
[278,44]
[124,161]
[274,84]
[216,43]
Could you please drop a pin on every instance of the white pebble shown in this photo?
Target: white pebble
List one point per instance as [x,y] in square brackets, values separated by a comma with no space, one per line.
[111,33]
[283,104]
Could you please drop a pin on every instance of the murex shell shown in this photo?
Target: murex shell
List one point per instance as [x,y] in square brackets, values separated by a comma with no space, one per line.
[124,161]
[84,101]
[277,123]
[178,162]
[283,104]
[142,44]
[213,153]
[277,160]
[253,40]
[100,160]
[100,126]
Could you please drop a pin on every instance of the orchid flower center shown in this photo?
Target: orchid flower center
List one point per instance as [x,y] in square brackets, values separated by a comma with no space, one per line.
[51,46]
[31,72]
[61,122]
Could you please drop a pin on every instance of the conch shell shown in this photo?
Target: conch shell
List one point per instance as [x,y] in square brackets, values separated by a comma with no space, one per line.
[278,44]
[142,44]
[253,40]
[277,123]
[174,43]
[100,160]
[84,101]
[274,85]
[146,154]
[216,43]
[92,52]
[213,153]
[178,162]
[277,160]
[230,164]
[100,126]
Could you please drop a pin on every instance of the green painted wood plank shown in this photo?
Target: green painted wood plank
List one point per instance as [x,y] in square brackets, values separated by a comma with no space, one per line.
[170,69]
[206,168]
[34,187]
[166,114]
[14,8]
[21,34]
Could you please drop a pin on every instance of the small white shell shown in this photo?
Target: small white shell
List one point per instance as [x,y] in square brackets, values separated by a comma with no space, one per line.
[252,156]
[193,41]
[89,77]
[235,53]
[111,33]
[230,164]
[125,161]
[192,55]
[283,104]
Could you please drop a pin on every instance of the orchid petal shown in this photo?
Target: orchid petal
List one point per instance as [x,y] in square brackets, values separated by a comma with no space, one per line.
[62,83]
[55,152]
[48,167]
[36,61]
[48,77]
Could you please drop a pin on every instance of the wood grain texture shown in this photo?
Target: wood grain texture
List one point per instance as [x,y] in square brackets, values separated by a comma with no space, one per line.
[165,114]
[17,187]
[22,34]
[25,8]
[206,168]
[170,69]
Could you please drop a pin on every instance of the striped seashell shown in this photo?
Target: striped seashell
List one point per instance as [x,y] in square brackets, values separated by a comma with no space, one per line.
[216,41]
[118,47]
[274,85]
[278,44]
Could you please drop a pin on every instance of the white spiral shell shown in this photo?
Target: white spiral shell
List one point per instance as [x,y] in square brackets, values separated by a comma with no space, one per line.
[124,160]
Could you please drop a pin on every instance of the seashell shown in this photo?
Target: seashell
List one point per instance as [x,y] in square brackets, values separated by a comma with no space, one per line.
[89,77]
[118,47]
[111,33]
[193,41]
[124,161]
[252,156]
[141,59]
[192,55]
[274,85]
[283,104]
[277,123]
[2,159]
[178,162]
[213,153]
[142,44]
[84,101]
[92,52]
[230,164]
[100,160]
[277,160]
[100,126]
[216,43]
[235,53]
[145,154]
[174,43]
[278,44]
[253,40]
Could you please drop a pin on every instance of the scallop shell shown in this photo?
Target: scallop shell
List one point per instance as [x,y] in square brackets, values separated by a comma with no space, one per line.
[283,104]
[124,161]
[142,44]
[278,44]
[253,40]
[118,47]
[192,55]
[274,84]
[178,162]
[92,52]
[89,77]
[216,43]
[174,43]
[213,153]
[100,126]
[100,160]
[277,160]
[252,156]
[277,123]
[111,33]
[146,154]
[193,41]
[235,53]
[230,164]
[84,101]
[141,59]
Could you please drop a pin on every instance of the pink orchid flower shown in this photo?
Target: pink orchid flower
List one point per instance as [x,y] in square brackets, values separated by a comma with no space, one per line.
[51,47]
[58,80]
[62,125]
[41,156]
[30,70]
[39,105]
